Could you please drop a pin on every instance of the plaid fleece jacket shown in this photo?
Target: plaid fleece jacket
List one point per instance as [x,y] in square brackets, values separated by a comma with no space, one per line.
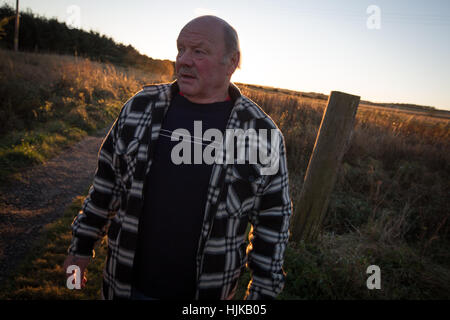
[237,194]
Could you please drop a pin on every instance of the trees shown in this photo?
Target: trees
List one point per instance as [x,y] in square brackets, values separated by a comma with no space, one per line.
[49,35]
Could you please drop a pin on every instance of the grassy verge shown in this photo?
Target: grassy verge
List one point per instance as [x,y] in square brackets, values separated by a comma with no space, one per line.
[335,268]
[51,101]
[40,274]
[21,149]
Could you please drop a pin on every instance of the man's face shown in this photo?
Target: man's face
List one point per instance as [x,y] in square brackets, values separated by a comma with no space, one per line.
[201,71]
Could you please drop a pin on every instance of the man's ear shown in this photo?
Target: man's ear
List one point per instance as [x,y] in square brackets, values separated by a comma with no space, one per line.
[234,62]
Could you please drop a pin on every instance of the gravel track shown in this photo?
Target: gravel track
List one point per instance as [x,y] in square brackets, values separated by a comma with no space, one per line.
[41,196]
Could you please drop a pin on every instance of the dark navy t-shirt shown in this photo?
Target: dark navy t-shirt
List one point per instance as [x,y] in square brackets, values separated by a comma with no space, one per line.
[174,203]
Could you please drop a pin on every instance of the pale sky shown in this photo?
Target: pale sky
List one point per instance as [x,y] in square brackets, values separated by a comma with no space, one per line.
[316,46]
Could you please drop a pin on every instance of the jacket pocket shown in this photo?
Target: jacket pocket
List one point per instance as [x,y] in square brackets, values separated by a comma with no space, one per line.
[243,181]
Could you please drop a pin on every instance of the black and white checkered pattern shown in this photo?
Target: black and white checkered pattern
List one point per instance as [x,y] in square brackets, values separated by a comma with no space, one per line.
[237,195]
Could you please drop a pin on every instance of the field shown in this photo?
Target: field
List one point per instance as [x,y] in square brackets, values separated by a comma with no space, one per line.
[49,101]
[389,206]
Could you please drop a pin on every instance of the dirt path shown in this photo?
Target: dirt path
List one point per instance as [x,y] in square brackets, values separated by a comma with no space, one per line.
[41,197]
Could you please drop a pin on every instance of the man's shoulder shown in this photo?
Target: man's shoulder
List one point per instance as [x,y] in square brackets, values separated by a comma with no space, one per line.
[140,100]
[156,89]
[256,117]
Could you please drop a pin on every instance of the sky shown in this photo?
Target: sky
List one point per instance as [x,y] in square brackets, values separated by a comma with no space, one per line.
[382,50]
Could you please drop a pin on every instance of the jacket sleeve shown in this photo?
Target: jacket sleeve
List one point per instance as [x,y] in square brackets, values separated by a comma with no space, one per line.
[269,234]
[91,224]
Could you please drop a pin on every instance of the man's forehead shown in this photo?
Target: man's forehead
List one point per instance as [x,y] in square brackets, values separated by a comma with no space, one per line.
[203,29]
[193,42]
[197,38]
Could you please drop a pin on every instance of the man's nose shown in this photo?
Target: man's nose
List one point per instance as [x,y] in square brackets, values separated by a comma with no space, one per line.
[185,58]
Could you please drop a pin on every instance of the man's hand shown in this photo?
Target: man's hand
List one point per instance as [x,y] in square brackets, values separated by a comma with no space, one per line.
[82,263]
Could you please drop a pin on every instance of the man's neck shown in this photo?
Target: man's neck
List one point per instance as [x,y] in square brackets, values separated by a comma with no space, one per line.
[206,101]
[219,96]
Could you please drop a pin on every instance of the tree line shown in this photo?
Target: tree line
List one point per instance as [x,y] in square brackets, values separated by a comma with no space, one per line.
[39,34]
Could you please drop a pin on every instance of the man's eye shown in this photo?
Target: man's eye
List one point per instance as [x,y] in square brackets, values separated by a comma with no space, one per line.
[197,51]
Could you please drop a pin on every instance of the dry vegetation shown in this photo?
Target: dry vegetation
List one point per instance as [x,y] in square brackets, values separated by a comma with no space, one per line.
[388,208]
[49,101]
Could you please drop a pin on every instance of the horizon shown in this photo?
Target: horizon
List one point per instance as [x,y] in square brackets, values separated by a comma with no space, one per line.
[384,52]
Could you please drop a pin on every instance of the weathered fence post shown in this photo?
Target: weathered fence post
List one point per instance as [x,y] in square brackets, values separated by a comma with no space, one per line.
[16,28]
[332,139]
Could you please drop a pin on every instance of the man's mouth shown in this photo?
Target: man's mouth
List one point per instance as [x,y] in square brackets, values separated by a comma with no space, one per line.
[187,76]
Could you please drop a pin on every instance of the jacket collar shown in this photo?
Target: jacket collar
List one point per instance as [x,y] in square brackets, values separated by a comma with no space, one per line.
[233,91]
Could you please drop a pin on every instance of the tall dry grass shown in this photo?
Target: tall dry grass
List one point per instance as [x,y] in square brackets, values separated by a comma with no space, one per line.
[397,165]
[49,101]
[389,206]
[36,86]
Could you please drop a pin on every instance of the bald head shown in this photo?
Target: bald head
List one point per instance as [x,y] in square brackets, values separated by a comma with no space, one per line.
[208,55]
[218,26]
[207,20]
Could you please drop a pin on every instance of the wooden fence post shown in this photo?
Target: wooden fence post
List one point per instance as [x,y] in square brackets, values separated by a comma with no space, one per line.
[331,142]
[16,28]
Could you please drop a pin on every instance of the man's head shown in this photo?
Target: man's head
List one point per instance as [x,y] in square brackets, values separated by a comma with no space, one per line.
[208,54]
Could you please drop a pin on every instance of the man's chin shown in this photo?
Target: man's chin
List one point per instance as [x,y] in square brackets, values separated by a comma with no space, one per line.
[186,88]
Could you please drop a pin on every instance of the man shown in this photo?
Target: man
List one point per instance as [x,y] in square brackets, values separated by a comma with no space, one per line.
[176,228]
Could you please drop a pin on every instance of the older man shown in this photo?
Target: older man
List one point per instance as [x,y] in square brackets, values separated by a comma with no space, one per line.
[176,230]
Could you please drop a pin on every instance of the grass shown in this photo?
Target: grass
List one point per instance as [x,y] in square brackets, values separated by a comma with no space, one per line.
[388,207]
[51,101]
[332,268]
[394,162]
[41,275]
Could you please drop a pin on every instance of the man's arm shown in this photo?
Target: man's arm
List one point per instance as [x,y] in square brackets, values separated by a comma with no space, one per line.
[101,204]
[269,235]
